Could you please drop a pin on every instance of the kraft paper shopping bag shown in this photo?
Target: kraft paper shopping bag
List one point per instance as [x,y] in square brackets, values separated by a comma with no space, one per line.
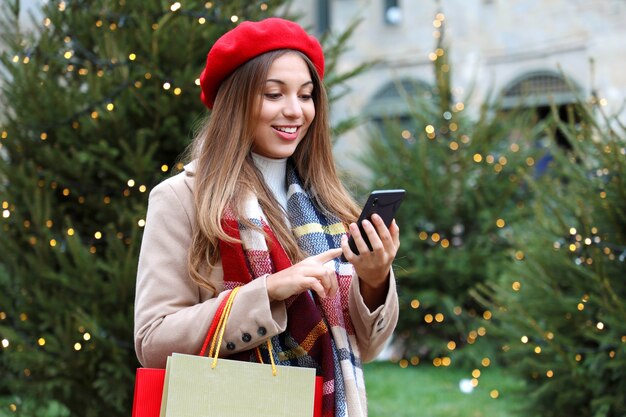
[235,389]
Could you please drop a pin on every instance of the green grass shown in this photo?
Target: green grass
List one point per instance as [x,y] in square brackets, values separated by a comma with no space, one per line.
[427,391]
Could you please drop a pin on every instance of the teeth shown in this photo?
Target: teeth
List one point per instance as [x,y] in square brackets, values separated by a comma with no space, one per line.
[287,129]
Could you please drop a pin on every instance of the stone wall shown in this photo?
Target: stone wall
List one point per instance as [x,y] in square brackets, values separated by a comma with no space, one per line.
[492,43]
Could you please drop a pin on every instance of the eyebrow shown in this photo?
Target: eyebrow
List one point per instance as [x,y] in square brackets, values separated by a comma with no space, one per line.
[273,80]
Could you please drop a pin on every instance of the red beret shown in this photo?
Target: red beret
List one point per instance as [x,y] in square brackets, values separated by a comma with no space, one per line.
[251,39]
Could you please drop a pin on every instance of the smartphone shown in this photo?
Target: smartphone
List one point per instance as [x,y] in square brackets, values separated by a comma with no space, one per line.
[385,203]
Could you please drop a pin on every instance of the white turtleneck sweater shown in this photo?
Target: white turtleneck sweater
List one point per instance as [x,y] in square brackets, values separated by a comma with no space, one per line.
[274,173]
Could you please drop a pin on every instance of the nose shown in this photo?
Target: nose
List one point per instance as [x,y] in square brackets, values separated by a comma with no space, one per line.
[293,107]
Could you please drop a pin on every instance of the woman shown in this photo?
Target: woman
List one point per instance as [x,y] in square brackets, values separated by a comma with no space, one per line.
[260,206]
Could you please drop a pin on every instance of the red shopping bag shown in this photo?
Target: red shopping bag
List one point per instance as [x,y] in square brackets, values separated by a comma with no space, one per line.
[148,392]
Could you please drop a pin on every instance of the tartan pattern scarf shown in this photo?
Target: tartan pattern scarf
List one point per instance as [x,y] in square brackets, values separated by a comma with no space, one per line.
[319,332]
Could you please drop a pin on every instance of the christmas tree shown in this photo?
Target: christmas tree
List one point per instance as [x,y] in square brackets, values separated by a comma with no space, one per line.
[100,100]
[463,170]
[559,309]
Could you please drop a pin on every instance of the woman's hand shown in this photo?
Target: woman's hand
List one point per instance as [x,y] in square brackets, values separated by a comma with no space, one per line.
[373,266]
[309,274]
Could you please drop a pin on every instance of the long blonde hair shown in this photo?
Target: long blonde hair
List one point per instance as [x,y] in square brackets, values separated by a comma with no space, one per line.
[225,172]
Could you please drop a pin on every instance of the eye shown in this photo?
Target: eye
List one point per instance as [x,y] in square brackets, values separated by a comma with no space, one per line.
[306,97]
[272,96]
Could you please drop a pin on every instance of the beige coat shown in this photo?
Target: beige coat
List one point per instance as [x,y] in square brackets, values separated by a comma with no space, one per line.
[172,313]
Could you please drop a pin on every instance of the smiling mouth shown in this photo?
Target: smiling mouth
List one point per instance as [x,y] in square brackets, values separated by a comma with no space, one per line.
[289,130]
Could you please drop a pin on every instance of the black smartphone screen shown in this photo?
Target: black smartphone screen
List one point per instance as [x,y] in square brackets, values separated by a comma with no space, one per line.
[385,203]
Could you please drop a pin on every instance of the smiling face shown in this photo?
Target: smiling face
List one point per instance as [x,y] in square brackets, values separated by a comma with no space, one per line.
[287,108]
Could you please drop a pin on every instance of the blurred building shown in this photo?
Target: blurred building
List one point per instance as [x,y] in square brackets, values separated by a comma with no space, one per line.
[528,51]
[27,10]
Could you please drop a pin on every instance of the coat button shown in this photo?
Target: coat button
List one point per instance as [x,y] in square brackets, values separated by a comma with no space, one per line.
[246,337]
[262,331]
[230,346]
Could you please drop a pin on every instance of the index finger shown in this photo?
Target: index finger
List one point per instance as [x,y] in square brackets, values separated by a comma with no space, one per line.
[327,255]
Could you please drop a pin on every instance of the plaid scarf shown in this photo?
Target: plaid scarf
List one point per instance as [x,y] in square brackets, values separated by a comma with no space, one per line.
[319,332]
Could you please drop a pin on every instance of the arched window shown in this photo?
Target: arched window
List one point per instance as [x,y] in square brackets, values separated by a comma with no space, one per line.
[395,99]
[392,109]
[539,88]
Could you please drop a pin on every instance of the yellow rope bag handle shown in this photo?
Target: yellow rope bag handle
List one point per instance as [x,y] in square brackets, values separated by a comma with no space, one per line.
[221,327]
